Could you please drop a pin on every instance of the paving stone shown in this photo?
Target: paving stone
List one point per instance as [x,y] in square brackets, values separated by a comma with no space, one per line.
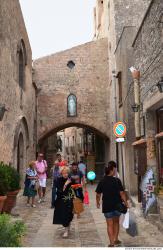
[87,231]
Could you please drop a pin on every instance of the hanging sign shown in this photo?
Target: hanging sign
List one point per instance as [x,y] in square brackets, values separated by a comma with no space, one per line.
[119,129]
[121,139]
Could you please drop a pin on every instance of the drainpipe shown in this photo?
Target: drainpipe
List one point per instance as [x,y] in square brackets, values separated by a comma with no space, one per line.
[116,112]
[136,79]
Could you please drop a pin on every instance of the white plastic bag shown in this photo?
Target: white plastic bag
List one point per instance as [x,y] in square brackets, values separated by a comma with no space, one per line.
[126,220]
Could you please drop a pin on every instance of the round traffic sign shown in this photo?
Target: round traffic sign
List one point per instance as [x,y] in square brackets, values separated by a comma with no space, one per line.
[119,129]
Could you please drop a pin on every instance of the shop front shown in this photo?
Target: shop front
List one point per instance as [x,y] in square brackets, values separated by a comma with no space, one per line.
[140,164]
[159,143]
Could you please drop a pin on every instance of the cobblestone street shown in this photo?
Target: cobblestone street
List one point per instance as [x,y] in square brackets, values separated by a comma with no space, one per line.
[88,231]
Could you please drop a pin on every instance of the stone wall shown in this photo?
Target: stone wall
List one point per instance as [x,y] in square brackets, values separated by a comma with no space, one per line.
[20,102]
[88,80]
[148,53]
[124,60]
[148,56]
[118,14]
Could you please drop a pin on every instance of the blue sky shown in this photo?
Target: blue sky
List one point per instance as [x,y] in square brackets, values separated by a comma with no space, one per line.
[56,25]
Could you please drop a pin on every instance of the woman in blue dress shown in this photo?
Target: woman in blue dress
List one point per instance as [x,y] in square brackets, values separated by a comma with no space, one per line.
[30,184]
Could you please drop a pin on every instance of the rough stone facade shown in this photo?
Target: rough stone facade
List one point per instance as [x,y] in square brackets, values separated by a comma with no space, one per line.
[88,81]
[17,126]
[124,60]
[148,57]
[113,16]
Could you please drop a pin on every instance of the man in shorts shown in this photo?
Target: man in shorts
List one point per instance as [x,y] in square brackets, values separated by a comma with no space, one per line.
[41,168]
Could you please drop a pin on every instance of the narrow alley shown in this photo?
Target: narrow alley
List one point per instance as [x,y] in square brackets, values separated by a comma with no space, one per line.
[88,231]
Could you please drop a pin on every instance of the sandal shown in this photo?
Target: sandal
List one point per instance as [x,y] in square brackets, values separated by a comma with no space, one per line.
[118,242]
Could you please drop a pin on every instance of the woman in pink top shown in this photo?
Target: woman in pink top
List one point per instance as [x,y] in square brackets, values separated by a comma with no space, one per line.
[41,168]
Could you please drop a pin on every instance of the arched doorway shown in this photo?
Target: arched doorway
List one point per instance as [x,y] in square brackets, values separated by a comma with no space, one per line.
[20,153]
[21,147]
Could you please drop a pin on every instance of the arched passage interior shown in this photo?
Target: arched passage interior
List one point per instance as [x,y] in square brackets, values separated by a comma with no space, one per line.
[76,141]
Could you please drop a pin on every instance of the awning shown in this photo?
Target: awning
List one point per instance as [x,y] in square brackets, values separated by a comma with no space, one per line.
[138,142]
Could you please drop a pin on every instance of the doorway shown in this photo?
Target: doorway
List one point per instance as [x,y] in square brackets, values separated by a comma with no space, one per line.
[20,154]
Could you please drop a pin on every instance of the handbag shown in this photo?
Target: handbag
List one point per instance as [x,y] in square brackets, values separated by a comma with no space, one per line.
[125,223]
[120,206]
[78,206]
[86,198]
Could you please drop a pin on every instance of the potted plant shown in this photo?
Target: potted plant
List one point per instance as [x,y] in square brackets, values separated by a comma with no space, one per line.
[3,186]
[11,232]
[2,195]
[13,188]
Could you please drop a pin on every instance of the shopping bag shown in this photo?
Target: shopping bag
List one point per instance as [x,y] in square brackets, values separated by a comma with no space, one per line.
[86,198]
[132,230]
[78,205]
[125,223]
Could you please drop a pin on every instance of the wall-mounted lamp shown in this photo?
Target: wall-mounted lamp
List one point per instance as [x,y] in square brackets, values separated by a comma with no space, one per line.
[2,111]
[135,108]
[160,85]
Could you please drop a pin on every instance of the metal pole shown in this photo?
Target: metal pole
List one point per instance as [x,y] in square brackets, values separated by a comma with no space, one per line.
[136,78]
[123,176]
[116,114]
[137,102]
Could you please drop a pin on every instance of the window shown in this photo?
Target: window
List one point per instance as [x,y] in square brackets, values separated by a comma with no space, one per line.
[21,69]
[159,115]
[70,64]
[71,106]
[119,77]
[22,62]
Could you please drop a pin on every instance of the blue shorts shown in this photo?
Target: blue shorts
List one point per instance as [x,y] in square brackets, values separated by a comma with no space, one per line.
[112,214]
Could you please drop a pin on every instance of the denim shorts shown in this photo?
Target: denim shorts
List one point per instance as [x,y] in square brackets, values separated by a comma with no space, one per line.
[112,214]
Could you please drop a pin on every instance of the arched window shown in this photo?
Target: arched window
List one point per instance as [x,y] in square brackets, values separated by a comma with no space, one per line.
[71,106]
[22,62]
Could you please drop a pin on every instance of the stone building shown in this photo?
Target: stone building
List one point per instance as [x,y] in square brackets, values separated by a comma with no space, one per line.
[17,92]
[123,19]
[137,42]
[74,144]
[148,59]
[80,75]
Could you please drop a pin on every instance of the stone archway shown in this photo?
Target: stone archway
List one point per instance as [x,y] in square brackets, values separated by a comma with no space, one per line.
[97,158]
[21,146]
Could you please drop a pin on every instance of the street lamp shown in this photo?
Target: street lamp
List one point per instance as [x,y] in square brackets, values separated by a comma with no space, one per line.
[160,85]
[135,108]
[2,111]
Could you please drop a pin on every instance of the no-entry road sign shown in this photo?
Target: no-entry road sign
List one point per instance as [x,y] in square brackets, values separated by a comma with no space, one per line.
[119,129]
